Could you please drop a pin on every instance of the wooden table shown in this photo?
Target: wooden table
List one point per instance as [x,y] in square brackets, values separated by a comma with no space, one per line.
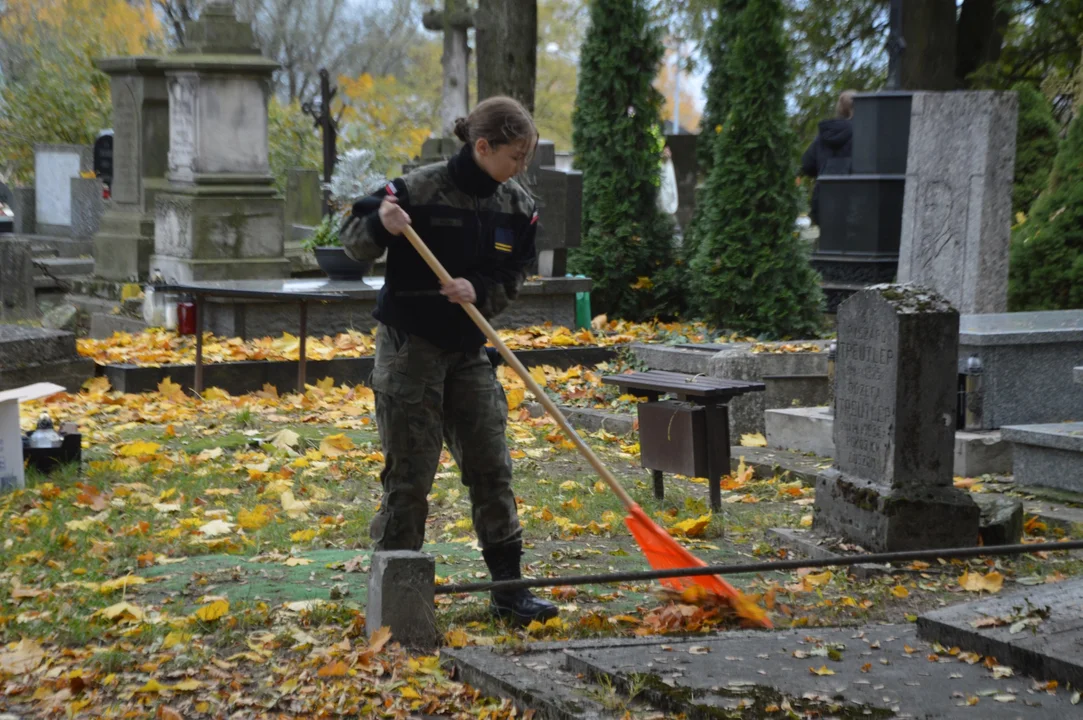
[299,291]
[689,435]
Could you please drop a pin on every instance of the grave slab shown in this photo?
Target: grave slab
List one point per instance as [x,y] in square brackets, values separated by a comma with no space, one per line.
[710,676]
[810,430]
[54,168]
[1027,361]
[31,355]
[1050,649]
[1049,455]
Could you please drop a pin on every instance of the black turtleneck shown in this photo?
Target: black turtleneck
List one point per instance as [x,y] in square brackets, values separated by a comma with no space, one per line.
[479,229]
[468,176]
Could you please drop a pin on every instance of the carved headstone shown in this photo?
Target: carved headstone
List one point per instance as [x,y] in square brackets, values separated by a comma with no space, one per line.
[956,223]
[895,405]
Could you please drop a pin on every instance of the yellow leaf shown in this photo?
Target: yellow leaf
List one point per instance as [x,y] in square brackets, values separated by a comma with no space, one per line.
[174,639]
[188,685]
[255,518]
[823,670]
[121,583]
[153,686]
[170,390]
[515,397]
[693,527]
[409,693]
[816,580]
[753,440]
[121,611]
[295,562]
[336,445]
[294,508]
[327,384]
[975,582]
[303,535]
[139,449]
[642,283]
[900,592]
[216,394]
[285,439]
[538,375]
[568,485]
[213,611]
[25,656]
[456,638]
[806,521]
[130,291]
[600,487]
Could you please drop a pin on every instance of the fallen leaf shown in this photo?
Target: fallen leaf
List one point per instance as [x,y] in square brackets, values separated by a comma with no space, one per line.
[456,638]
[121,583]
[900,592]
[379,638]
[213,611]
[121,611]
[294,508]
[975,582]
[23,658]
[215,528]
[336,445]
[823,670]
[285,439]
[753,440]
[699,650]
[336,669]
[139,448]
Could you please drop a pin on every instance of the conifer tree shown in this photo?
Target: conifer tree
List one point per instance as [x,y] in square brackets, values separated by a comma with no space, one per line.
[1046,268]
[719,39]
[627,244]
[750,271]
[1035,146]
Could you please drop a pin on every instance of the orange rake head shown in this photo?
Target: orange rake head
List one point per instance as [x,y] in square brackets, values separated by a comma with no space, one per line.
[665,553]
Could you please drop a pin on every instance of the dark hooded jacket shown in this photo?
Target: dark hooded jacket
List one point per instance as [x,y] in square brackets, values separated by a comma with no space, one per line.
[829,154]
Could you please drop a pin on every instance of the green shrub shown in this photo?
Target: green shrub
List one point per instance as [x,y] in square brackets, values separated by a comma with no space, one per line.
[1035,146]
[627,242]
[750,271]
[1046,271]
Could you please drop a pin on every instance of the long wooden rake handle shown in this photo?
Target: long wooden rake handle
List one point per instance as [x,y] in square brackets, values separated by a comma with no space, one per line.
[510,359]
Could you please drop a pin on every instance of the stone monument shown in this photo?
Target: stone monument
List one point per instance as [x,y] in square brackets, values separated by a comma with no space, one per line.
[125,239]
[895,407]
[17,298]
[220,217]
[957,206]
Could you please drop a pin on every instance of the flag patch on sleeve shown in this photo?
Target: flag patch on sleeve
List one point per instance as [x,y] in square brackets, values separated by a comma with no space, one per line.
[390,189]
[534,218]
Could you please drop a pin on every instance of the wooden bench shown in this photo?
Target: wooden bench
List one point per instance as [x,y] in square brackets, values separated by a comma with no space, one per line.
[689,435]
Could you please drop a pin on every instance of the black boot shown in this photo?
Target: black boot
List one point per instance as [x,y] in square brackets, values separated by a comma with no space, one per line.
[518,606]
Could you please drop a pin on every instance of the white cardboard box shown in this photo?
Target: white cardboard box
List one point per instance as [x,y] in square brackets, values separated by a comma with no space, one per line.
[11,439]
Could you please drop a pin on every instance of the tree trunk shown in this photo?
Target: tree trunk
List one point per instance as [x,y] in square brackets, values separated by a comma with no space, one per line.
[980,36]
[929,31]
[507,47]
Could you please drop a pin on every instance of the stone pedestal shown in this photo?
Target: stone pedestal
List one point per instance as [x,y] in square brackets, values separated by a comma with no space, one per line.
[957,207]
[125,238]
[220,217]
[86,206]
[401,598]
[891,485]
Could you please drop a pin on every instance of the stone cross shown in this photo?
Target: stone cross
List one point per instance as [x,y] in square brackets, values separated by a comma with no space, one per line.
[895,407]
[455,20]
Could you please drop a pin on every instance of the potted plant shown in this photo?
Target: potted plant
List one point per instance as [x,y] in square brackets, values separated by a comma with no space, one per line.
[353,178]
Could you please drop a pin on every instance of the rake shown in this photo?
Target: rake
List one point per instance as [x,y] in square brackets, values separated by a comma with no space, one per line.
[661,550]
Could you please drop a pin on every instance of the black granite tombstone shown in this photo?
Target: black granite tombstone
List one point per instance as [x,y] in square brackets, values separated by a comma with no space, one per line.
[103,157]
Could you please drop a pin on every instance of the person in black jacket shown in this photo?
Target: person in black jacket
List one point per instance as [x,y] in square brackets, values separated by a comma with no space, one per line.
[830,152]
[432,379]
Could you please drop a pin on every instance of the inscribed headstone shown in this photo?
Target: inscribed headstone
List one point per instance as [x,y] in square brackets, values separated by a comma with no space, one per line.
[957,220]
[54,167]
[895,395]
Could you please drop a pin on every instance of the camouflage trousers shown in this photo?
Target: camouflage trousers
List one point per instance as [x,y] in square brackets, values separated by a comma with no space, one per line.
[426,396]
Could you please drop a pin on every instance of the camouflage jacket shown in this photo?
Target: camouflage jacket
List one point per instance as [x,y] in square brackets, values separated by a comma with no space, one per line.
[479,229]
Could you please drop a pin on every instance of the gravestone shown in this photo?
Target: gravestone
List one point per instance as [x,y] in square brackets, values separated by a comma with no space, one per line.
[220,217]
[957,208]
[125,240]
[17,299]
[686,167]
[54,168]
[559,196]
[22,204]
[895,395]
[304,211]
[5,194]
[87,206]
